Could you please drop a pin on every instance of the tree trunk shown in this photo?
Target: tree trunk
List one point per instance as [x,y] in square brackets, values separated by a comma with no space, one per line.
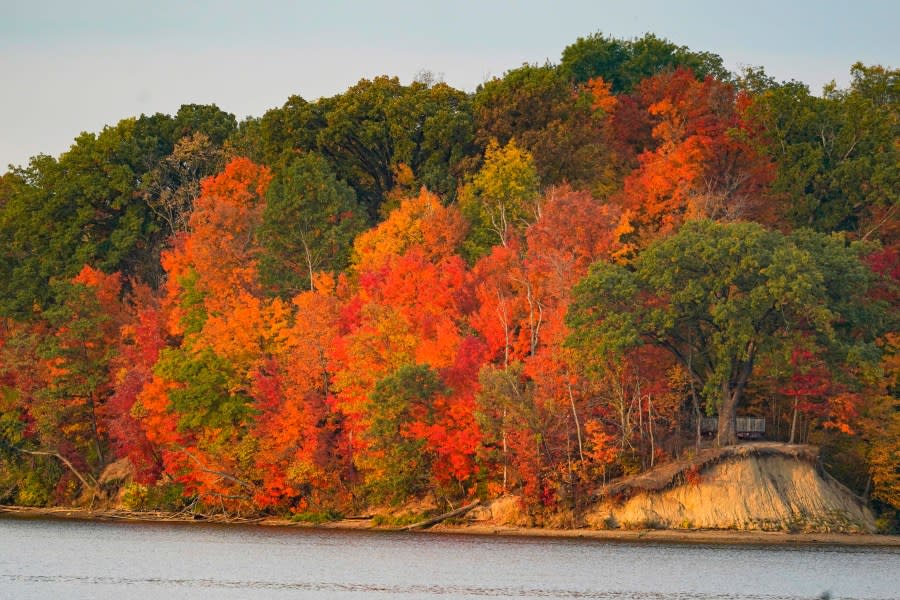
[794,423]
[577,423]
[695,405]
[448,515]
[91,485]
[732,391]
[727,435]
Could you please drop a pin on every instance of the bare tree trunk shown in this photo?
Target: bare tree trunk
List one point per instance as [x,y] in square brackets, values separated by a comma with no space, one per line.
[534,327]
[503,436]
[96,433]
[91,485]
[577,422]
[794,422]
[309,262]
[695,402]
[775,416]
[650,429]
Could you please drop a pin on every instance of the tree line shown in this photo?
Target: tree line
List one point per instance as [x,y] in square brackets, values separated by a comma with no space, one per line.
[409,290]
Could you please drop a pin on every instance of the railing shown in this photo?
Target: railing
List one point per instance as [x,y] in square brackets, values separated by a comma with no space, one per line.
[745,427]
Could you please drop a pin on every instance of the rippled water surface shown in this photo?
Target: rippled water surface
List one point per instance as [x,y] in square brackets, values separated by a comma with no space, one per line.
[81,560]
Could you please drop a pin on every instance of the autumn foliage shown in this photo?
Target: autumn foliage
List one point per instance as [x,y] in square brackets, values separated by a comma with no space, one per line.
[444,347]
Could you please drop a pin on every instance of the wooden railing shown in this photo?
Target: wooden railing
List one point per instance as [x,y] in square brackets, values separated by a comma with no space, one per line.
[745,427]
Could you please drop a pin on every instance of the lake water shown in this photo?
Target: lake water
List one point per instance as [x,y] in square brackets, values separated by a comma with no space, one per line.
[64,560]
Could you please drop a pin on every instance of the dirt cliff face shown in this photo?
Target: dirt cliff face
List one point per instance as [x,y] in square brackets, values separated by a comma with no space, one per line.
[762,490]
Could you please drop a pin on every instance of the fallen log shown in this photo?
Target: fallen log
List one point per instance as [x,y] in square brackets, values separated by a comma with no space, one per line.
[91,485]
[435,520]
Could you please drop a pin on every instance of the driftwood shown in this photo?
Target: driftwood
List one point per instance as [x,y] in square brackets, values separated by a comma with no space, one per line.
[91,485]
[125,515]
[435,520]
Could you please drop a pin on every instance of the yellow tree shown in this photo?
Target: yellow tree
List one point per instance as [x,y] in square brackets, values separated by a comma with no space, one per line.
[502,198]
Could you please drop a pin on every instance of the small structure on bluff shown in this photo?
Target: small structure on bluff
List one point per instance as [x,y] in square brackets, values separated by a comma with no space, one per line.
[747,428]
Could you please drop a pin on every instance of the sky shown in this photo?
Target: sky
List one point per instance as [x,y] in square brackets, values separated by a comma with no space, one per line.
[68,67]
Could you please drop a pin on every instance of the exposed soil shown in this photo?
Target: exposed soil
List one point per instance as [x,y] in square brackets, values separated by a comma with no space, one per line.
[761,486]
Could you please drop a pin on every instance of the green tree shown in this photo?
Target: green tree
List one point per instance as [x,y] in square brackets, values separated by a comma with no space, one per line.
[596,55]
[89,207]
[377,125]
[208,119]
[370,133]
[625,63]
[81,209]
[291,127]
[209,395]
[719,296]
[397,463]
[309,224]
[78,355]
[837,155]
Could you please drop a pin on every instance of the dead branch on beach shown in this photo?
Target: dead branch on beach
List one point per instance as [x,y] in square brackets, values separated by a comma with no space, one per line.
[448,515]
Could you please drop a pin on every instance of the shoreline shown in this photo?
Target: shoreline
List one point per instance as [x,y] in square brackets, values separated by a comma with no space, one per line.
[673,536]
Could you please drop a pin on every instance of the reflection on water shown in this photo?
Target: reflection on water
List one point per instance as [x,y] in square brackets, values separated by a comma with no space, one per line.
[68,559]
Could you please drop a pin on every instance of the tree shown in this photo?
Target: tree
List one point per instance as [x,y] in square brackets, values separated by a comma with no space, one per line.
[533,400]
[55,380]
[397,464]
[85,326]
[625,63]
[90,206]
[28,479]
[837,154]
[574,231]
[705,161]
[378,124]
[596,56]
[554,120]
[421,222]
[199,406]
[502,198]
[302,456]
[205,119]
[880,426]
[171,187]
[78,210]
[809,381]
[718,296]
[141,339]
[408,307]
[308,225]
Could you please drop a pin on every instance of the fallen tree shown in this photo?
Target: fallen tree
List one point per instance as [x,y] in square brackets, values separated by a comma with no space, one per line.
[448,515]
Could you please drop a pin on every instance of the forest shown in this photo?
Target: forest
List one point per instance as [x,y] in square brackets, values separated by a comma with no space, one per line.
[407,290]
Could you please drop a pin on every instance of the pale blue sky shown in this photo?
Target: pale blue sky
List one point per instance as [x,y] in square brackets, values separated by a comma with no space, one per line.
[68,67]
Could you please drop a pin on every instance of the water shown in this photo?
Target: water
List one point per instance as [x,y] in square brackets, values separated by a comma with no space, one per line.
[80,560]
